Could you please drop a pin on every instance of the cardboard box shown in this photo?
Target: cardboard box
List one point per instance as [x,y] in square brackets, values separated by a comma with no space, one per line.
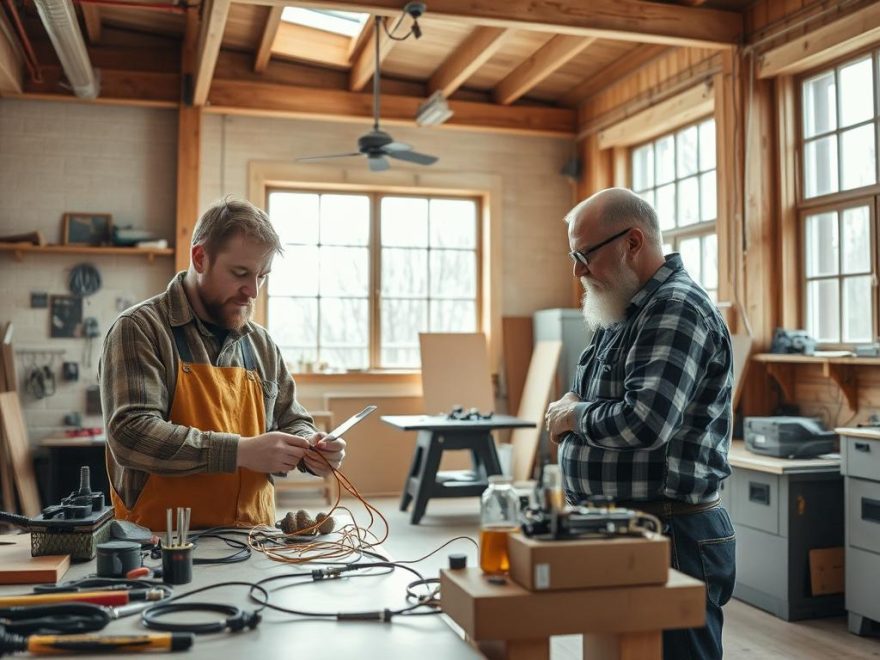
[585,563]
[826,571]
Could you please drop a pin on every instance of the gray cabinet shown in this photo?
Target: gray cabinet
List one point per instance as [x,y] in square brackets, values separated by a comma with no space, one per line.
[567,326]
[860,454]
[781,509]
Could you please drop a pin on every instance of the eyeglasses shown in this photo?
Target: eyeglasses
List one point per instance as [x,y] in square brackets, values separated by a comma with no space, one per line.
[584,255]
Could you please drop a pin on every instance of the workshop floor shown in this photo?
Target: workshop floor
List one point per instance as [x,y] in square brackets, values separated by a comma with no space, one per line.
[749,633]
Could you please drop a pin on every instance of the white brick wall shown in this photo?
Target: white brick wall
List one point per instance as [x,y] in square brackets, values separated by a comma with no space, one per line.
[62,157]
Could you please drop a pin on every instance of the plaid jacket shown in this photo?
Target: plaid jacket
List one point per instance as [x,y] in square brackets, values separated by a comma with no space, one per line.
[655,417]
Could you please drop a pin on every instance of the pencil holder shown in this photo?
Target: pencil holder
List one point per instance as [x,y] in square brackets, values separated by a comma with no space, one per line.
[177,563]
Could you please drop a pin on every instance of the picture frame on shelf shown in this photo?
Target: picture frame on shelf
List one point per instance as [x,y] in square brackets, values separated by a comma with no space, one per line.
[86,229]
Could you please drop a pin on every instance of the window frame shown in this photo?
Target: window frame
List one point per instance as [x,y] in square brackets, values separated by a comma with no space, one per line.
[701,228]
[374,245]
[840,200]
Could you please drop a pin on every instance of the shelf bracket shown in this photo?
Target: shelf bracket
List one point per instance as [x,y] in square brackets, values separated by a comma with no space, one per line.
[845,377]
[782,374]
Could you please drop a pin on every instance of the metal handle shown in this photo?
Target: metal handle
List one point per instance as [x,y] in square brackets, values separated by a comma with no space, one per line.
[871,510]
[862,446]
[759,493]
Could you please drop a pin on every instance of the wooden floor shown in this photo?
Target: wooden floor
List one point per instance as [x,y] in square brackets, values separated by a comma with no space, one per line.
[749,633]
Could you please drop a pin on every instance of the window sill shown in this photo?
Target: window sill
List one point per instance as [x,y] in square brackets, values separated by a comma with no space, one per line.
[384,377]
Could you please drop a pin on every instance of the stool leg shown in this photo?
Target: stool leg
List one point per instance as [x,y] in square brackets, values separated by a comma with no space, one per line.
[485,457]
[427,477]
[415,466]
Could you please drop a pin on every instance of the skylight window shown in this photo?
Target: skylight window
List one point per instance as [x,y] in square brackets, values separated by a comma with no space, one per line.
[345,23]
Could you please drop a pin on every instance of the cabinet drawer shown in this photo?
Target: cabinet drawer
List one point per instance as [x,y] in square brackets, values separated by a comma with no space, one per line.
[863,514]
[756,500]
[861,457]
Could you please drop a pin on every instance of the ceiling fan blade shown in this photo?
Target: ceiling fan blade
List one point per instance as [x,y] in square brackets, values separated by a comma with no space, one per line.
[306,158]
[378,163]
[413,157]
[397,146]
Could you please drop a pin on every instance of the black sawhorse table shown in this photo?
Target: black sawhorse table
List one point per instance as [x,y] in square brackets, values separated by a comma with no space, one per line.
[438,434]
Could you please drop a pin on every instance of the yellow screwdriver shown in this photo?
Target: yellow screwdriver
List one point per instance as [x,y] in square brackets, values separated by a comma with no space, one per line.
[51,644]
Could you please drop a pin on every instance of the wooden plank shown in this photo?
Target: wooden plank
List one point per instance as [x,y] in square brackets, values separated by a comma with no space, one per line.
[364,65]
[17,566]
[517,344]
[299,42]
[660,118]
[455,372]
[622,20]
[540,386]
[844,36]
[552,55]
[264,99]
[189,131]
[210,38]
[476,50]
[11,63]
[742,348]
[92,19]
[787,190]
[619,70]
[18,449]
[270,30]
[8,357]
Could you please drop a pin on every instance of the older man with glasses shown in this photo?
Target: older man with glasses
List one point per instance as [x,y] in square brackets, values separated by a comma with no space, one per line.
[647,421]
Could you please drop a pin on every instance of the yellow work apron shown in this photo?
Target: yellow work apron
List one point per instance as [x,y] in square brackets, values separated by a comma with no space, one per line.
[209,398]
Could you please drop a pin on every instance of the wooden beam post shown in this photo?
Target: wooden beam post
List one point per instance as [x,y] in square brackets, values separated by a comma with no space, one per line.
[213,24]
[470,55]
[264,52]
[189,131]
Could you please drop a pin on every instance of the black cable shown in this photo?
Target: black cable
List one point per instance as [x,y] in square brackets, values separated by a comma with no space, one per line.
[14,519]
[92,583]
[242,554]
[236,618]
[54,619]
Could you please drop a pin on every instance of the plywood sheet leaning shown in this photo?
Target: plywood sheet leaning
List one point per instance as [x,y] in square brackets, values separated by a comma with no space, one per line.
[539,387]
[13,433]
[18,567]
[517,338]
[8,357]
[742,348]
[455,371]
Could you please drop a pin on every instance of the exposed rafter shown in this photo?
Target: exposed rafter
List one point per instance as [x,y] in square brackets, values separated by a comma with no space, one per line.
[477,48]
[623,20]
[552,55]
[11,61]
[618,70]
[210,38]
[365,61]
[264,51]
[92,18]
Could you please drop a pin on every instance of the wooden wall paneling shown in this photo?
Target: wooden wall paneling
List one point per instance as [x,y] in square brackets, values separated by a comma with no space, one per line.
[455,371]
[620,159]
[517,339]
[7,355]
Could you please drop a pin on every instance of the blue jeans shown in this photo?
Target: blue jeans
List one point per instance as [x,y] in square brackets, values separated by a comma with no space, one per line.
[703,546]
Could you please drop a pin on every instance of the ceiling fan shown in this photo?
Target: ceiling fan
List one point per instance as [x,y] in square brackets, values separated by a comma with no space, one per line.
[377,145]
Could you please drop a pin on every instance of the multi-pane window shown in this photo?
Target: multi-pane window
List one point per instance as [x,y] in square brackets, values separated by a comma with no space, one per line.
[675,173]
[839,129]
[362,274]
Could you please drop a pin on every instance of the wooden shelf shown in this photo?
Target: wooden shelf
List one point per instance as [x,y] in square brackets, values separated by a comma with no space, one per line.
[19,249]
[839,369]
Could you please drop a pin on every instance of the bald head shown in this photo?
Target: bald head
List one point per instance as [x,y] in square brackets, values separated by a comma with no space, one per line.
[615,209]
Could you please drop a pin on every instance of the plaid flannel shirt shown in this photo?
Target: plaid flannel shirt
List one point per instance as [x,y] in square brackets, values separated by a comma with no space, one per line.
[655,417]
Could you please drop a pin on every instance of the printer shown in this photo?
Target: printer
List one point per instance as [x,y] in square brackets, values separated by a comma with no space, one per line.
[788,437]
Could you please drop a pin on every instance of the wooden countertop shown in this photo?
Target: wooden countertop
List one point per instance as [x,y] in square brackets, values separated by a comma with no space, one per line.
[867,432]
[741,457]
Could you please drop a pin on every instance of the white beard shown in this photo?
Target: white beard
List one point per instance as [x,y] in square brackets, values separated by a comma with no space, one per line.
[604,306]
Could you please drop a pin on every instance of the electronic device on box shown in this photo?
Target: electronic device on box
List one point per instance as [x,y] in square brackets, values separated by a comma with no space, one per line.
[788,437]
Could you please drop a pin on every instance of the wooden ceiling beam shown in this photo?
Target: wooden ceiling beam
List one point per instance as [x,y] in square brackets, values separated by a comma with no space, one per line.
[552,55]
[264,99]
[364,65]
[92,19]
[210,38]
[622,20]
[628,64]
[307,44]
[479,46]
[270,30]
[11,61]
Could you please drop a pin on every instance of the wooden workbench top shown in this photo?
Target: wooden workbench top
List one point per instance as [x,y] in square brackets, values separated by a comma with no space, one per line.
[867,432]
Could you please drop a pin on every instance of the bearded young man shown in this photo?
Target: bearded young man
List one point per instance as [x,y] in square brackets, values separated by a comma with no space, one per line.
[198,404]
[648,419]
